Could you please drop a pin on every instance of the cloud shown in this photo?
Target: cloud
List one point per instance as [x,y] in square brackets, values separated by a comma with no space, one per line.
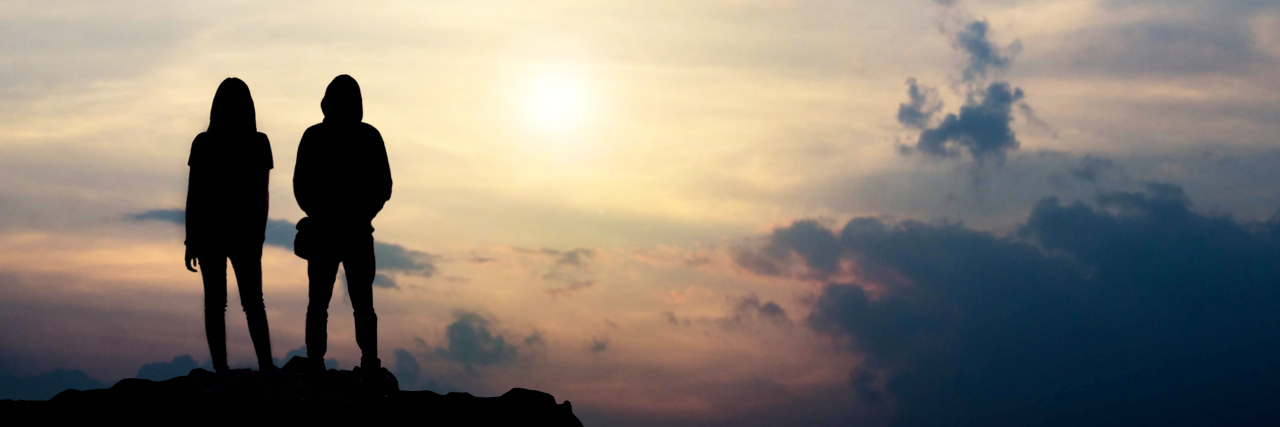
[410,375]
[178,367]
[534,338]
[984,58]
[46,385]
[598,345]
[1135,298]
[384,281]
[477,259]
[750,309]
[398,259]
[674,320]
[982,127]
[572,286]
[78,44]
[175,216]
[574,268]
[1197,43]
[280,233]
[575,257]
[407,370]
[744,314]
[471,342]
[807,238]
[1091,167]
[923,104]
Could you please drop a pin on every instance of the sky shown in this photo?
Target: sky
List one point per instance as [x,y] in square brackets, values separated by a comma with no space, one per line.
[732,212]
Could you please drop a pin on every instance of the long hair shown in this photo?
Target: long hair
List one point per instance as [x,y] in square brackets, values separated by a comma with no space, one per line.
[232,108]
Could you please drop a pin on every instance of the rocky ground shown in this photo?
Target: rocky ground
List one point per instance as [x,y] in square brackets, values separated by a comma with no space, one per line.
[287,395]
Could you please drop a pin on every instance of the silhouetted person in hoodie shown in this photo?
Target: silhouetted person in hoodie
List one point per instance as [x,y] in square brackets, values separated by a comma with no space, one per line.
[227,217]
[341,181]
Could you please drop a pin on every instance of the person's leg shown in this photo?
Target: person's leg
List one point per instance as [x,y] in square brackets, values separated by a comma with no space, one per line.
[247,262]
[213,269]
[360,266]
[321,273]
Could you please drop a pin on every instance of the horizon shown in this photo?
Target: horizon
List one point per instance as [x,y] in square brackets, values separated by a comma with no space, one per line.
[746,212]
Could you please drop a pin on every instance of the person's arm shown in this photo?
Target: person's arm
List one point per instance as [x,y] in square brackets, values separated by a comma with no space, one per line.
[303,178]
[268,163]
[194,212]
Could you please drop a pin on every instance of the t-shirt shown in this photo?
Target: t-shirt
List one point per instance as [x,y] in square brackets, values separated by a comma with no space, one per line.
[228,193]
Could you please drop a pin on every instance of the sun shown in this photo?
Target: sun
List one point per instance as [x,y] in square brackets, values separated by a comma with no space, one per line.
[556,101]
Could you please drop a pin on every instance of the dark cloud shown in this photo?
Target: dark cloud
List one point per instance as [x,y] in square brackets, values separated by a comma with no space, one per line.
[745,314]
[477,259]
[750,309]
[384,281]
[984,58]
[398,259]
[572,286]
[179,366]
[471,342]
[598,345]
[807,238]
[924,103]
[280,233]
[46,385]
[576,257]
[572,267]
[407,370]
[672,319]
[1091,167]
[982,127]
[410,376]
[1135,299]
[175,216]
[534,338]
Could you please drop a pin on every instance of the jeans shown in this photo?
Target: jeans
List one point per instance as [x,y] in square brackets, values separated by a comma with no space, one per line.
[247,261]
[356,256]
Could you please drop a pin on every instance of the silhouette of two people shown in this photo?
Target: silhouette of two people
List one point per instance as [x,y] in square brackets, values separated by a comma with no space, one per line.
[342,180]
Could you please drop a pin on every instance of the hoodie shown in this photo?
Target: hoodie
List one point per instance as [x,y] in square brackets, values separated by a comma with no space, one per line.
[342,178]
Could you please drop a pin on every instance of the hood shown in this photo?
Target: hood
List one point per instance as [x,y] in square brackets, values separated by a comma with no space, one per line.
[232,110]
[342,101]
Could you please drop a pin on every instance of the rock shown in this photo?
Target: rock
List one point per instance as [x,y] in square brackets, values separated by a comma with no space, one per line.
[292,394]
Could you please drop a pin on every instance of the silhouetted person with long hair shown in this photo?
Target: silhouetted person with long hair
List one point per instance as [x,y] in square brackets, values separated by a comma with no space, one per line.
[341,181]
[227,217]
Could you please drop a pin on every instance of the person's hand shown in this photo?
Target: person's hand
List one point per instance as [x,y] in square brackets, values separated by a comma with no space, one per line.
[192,260]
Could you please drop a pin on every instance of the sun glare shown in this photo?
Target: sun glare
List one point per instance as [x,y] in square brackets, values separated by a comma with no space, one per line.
[556,102]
